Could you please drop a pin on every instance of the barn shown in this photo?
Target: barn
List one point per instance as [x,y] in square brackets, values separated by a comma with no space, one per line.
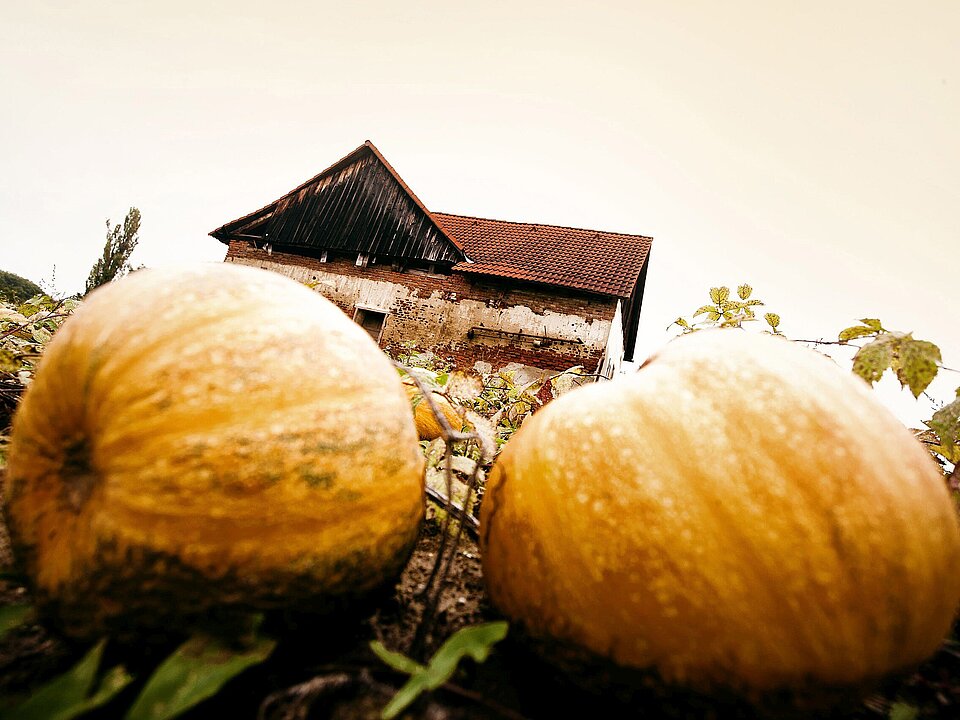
[473,291]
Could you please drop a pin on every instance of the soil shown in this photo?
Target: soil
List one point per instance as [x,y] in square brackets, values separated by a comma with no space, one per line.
[328,670]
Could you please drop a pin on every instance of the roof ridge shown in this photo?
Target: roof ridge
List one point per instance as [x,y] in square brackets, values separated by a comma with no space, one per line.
[533,224]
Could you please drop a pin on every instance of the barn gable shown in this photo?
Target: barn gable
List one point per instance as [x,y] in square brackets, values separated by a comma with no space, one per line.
[358,205]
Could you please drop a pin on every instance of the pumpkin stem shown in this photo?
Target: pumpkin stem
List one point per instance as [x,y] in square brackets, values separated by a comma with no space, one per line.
[78,475]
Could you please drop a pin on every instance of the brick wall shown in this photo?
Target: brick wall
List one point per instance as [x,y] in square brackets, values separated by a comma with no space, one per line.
[436,312]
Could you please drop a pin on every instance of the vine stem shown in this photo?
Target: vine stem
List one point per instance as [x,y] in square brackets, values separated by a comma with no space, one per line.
[447,551]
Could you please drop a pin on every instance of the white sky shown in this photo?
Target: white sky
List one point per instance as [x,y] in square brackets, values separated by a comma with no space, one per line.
[809,148]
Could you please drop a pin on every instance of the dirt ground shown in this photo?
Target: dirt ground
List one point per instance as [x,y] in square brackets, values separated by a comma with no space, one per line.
[328,671]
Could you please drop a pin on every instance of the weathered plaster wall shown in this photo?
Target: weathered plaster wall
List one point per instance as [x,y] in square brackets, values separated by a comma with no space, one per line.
[436,313]
[613,354]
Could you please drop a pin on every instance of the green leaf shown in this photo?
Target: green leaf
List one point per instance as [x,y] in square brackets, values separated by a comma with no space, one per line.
[681,322]
[476,641]
[854,332]
[405,696]
[41,334]
[66,696]
[872,323]
[398,661]
[13,616]
[919,363]
[946,424]
[442,379]
[903,711]
[719,294]
[873,359]
[744,291]
[9,361]
[194,672]
[705,310]
[713,316]
[427,377]
[773,320]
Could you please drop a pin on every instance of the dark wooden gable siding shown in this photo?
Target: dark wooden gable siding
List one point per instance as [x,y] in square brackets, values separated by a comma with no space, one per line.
[357,205]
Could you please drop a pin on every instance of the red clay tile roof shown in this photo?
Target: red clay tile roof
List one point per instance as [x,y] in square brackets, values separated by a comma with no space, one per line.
[599,262]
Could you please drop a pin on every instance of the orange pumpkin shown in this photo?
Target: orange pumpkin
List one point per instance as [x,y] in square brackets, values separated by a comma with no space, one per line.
[215,436]
[428,427]
[740,513]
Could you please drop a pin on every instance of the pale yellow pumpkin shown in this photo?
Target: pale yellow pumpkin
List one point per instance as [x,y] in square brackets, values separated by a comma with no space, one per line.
[741,513]
[206,437]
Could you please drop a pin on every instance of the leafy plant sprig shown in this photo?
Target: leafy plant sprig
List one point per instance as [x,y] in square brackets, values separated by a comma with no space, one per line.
[727,312]
[475,641]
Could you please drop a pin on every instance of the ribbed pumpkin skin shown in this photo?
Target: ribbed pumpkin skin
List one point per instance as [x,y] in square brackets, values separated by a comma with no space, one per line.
[210,436]
[742,513]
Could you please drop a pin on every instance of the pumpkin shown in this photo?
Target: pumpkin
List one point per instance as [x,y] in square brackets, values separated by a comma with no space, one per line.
[211,437]
[741,514]
[428,427]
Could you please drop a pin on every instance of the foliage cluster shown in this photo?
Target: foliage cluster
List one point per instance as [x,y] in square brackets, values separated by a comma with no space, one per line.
[25,329]
[15,289]
[726,312]
[115,261]
[194,672]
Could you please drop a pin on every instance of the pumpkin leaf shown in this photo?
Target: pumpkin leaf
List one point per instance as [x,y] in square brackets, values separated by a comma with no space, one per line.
[744,291]
[946,424]
[854,332]
[13,616]
[194,672]
[476,641]
[873,359]
[919,363]
[68,696]
[41,334]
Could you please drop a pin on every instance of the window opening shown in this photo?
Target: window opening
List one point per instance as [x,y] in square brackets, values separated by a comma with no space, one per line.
[370,320]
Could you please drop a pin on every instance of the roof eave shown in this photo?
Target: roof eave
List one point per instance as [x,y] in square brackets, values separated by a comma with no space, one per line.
[540,283]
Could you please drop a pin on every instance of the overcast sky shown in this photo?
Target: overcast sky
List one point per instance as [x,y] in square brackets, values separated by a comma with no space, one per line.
[811,149]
